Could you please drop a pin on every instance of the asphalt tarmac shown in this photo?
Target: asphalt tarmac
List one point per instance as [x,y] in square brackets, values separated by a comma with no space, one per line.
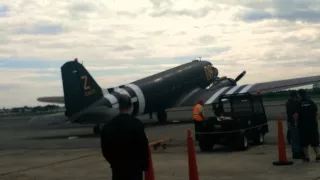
[72,152]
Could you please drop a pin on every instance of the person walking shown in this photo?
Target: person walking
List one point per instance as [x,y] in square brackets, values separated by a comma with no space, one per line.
[124,144]
[293,132]
[306,117]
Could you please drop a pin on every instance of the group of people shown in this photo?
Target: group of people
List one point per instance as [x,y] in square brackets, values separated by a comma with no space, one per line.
[302,125]
[125,145]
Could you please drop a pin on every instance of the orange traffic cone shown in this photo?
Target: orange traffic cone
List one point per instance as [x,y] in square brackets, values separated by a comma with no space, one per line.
[149,175]
[282,157]
[193,169]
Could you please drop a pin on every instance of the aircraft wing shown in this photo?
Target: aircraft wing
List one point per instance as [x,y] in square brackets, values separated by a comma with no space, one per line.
[60,99]
[211,95]
[52,99]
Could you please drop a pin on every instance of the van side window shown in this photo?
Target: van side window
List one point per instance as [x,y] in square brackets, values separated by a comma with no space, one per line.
[226,105]
[241,105]
[257,106]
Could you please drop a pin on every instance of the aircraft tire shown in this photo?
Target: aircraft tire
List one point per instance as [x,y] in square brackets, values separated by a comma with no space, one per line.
[162,116]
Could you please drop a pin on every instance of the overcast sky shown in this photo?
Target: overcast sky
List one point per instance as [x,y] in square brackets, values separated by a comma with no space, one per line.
[120,41]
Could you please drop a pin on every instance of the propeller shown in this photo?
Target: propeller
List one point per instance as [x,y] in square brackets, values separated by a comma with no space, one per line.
[240,76]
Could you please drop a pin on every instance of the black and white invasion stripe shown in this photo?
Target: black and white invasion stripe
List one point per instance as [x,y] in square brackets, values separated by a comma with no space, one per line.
[133,91]
[229,90]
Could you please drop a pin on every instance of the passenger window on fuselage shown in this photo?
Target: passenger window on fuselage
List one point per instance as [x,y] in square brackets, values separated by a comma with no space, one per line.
[241,105]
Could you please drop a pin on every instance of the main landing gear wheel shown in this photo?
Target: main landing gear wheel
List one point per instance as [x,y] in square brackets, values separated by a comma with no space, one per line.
[162,116]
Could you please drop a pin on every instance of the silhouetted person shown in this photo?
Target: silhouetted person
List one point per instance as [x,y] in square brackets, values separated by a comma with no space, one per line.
[292,133]
[306,117]
[125,145]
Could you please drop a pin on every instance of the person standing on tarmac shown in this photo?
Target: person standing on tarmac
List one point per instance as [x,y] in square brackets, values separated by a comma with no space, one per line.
[292,132]
[124,144]
[306,116]
[198,116]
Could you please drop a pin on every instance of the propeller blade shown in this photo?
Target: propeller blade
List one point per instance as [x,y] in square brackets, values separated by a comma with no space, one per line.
[240,76]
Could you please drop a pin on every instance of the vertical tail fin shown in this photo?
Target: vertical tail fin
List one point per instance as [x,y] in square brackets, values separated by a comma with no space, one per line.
[79,88]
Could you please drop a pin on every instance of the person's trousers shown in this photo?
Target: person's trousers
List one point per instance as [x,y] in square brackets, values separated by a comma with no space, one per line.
[127,175]
[197,128]
[296,147]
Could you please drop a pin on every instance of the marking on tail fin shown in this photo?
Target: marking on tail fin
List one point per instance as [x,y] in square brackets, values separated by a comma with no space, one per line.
[85,81]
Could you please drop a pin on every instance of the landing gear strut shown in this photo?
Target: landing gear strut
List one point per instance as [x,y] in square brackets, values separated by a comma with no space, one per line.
[162,116]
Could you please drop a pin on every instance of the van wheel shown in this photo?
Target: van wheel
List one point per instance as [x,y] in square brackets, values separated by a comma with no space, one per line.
[259,138]
[205,143]
[243,143]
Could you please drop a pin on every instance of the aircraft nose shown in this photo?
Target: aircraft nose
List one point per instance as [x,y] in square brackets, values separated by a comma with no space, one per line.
[215,72]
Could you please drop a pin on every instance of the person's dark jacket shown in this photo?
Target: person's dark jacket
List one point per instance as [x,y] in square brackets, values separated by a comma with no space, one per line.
[307,111]
[124,143]
[291,108]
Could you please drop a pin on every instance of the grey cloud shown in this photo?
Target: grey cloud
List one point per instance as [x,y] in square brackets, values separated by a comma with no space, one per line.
[42,28]
[155,32]
[295,64]
[301,15]
[81,10]
[207,39]
[160,3]
[82,7]
[202,12]
[4,9]
[6,87]
[123,48]
[256,15]
[283,9]
[127,14]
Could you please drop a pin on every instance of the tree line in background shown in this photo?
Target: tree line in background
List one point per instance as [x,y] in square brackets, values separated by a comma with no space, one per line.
[50,107]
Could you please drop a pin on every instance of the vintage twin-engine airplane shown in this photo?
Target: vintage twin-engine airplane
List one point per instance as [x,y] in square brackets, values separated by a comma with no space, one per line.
[87,103]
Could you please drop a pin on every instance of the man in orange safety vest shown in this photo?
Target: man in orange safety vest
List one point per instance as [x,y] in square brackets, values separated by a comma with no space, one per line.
[198,116]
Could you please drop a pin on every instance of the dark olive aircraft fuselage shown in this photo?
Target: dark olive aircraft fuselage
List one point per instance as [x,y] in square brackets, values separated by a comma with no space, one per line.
[154,93]
[162,90]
